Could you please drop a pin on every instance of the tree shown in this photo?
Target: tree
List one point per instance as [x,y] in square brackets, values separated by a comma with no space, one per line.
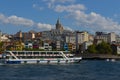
[92,49]
[1,47]
[18,45]
[103,48]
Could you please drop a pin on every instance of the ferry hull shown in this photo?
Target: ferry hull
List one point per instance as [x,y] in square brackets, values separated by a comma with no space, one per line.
[37,57]
[41,61]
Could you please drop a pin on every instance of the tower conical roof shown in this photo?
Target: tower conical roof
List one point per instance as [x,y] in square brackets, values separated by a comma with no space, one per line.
[58,21]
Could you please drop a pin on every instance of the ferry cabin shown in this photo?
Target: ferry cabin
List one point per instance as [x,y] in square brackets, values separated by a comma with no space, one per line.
[17,57]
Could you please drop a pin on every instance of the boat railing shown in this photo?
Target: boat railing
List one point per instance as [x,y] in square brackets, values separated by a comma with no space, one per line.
[64,55]
[13,54]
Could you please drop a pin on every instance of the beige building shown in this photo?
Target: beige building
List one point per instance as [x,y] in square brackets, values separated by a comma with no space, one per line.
[70,39]
[3,37]
[81,37]
[25,35]
[111,37]
[19,34]
[107,37]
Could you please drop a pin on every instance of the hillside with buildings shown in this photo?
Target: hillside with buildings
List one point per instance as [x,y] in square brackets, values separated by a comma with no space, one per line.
[57,39]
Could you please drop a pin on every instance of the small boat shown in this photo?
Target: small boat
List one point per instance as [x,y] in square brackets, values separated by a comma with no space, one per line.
[38,57]
[112,60]
[107,59]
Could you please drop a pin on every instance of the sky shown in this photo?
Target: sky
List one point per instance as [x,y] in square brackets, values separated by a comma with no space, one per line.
[41,15]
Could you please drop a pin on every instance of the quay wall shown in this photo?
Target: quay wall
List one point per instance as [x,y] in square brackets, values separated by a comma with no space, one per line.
[98,56]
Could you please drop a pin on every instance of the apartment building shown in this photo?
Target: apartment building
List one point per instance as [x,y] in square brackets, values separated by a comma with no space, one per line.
[81,37]
[106,37]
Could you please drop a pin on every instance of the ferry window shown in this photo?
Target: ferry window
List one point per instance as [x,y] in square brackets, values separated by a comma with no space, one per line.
[49,53]
[14,52]
[11,57]
[36,52]
[55,53]
[7,53]
[43,53]
[20,52]
[30,52]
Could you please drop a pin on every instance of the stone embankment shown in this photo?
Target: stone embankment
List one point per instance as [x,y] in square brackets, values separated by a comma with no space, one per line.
[98,56]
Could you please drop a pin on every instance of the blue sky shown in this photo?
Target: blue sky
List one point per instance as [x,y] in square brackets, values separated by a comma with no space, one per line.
[40,15]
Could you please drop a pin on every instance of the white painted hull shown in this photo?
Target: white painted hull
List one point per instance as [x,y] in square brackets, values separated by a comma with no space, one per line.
[37,57]
[41,61]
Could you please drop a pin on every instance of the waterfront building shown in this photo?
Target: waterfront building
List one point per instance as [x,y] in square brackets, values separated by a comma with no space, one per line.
[46,35]
[118,39]
[71,47]
[56,35]
[28,45]
[58,45]
[116,48]
[106,37]
[29,35]
[47,47]
[19,35]
[85,45]
[38,35]
[91,37]
[111,37]
[25,36]
[101,36]
[70,39]
[3,37]
[81,37]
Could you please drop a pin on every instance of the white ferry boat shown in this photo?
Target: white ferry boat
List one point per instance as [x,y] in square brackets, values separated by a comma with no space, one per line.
[39,57]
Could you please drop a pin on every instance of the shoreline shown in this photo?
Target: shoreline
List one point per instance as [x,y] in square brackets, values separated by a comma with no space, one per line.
[98,56]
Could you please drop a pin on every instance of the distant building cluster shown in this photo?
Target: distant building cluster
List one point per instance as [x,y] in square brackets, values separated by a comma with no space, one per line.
[57,39]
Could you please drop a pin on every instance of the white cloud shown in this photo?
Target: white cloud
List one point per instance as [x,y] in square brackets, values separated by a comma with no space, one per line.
[68,28]
[3,19]
[44,26]
[52,3]
[20,21]
[59,1]
[37,7]
[94,21]
[64,1]
[70,8]
[15,20]
[91,21]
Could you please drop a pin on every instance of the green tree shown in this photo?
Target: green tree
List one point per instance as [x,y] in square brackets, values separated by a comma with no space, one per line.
[18,45]
[1,47]
[103,47]
[92,49]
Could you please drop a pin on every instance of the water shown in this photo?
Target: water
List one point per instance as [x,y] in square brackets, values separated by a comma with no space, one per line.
[86,70]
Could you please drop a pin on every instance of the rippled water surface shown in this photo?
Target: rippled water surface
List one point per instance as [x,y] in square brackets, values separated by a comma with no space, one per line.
[86,70]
